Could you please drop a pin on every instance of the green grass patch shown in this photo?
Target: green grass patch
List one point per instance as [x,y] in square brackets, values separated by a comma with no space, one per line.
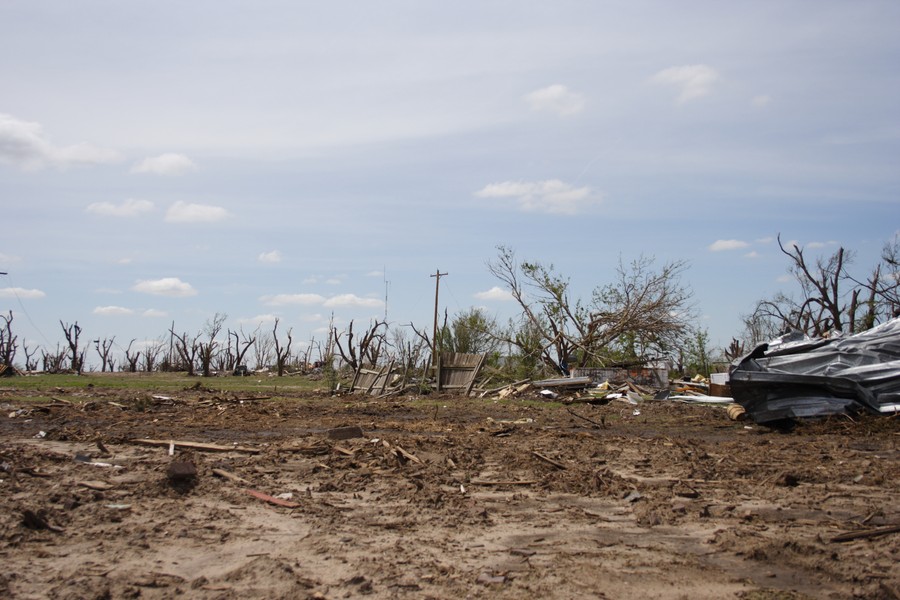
[161,382]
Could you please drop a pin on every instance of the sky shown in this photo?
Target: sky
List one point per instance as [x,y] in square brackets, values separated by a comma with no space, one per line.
[161,162]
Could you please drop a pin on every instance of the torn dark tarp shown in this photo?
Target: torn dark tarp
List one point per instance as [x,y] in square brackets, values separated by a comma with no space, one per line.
[815,378]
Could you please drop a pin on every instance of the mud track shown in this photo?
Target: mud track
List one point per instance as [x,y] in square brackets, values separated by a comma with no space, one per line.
[443,497]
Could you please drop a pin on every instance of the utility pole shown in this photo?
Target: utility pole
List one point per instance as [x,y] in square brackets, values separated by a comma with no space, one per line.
[437,286]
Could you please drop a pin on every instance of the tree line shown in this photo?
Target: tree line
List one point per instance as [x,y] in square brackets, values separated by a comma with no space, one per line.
[645,313]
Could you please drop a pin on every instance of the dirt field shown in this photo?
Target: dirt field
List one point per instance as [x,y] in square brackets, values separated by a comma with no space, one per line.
[442,497]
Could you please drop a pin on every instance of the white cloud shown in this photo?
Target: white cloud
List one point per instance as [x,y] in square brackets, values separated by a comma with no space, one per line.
[752,254]
[310,280]
[375,274]
[182,212]
[786,278]
[17,292]
[550,196]
[557,99]
[9,258]
[819,245]
[765,240]
[694,81]
[283,299]
[153,313]
[258,320]
[495,293]
[761,101]
[165,164]
[23,144]
[269,257]
[113,311]
[128,208]
[341,300]
[167,286]
[720,245]
[333,281]
[352,300]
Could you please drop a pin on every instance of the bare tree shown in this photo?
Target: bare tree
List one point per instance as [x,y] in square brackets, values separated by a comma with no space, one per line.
[644,311]
[281,352]
[104,349]
[187,348]
[367,350]
[262,350]
[76,354]
[735,350]
[53,361]
[831,299]
[132,358]
[152,351]
[8,345]
[241,339]
[30,361]
[206,351]
[405,351]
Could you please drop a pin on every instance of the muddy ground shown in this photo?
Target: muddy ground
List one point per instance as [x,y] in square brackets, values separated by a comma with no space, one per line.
[442,497]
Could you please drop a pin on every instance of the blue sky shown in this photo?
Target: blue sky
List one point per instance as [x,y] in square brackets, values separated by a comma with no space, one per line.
[165,161]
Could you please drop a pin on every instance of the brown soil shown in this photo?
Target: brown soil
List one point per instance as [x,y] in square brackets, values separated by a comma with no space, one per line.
[443,497]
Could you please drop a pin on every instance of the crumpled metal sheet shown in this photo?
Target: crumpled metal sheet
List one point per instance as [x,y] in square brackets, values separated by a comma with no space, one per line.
[821,377]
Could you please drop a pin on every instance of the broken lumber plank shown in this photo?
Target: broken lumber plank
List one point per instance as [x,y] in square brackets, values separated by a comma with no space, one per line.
[549,460]
[229,476]
[502,482]
[407,455]
[865,534]
[196,445]
[344,451]
[272,499]
[100,486]
[564,382]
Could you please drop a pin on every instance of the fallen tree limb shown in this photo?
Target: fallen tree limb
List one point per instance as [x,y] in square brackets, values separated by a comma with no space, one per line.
[591,421]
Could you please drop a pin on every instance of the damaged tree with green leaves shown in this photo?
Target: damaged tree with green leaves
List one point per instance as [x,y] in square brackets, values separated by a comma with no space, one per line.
[642,315]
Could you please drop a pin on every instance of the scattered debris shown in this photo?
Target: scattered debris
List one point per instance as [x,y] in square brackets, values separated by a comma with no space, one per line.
[181,471]
[272,499]
[736,412]
[549,460]
[37,521]
[345,433]
[489,579]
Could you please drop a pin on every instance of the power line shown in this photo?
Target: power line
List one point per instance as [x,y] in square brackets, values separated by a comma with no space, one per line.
[25,312]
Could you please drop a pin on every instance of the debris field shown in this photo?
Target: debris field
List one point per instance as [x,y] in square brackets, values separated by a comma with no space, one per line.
[111,493]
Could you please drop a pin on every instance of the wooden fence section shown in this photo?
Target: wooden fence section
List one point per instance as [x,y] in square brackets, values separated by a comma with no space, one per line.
[371,381]
[457,371]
